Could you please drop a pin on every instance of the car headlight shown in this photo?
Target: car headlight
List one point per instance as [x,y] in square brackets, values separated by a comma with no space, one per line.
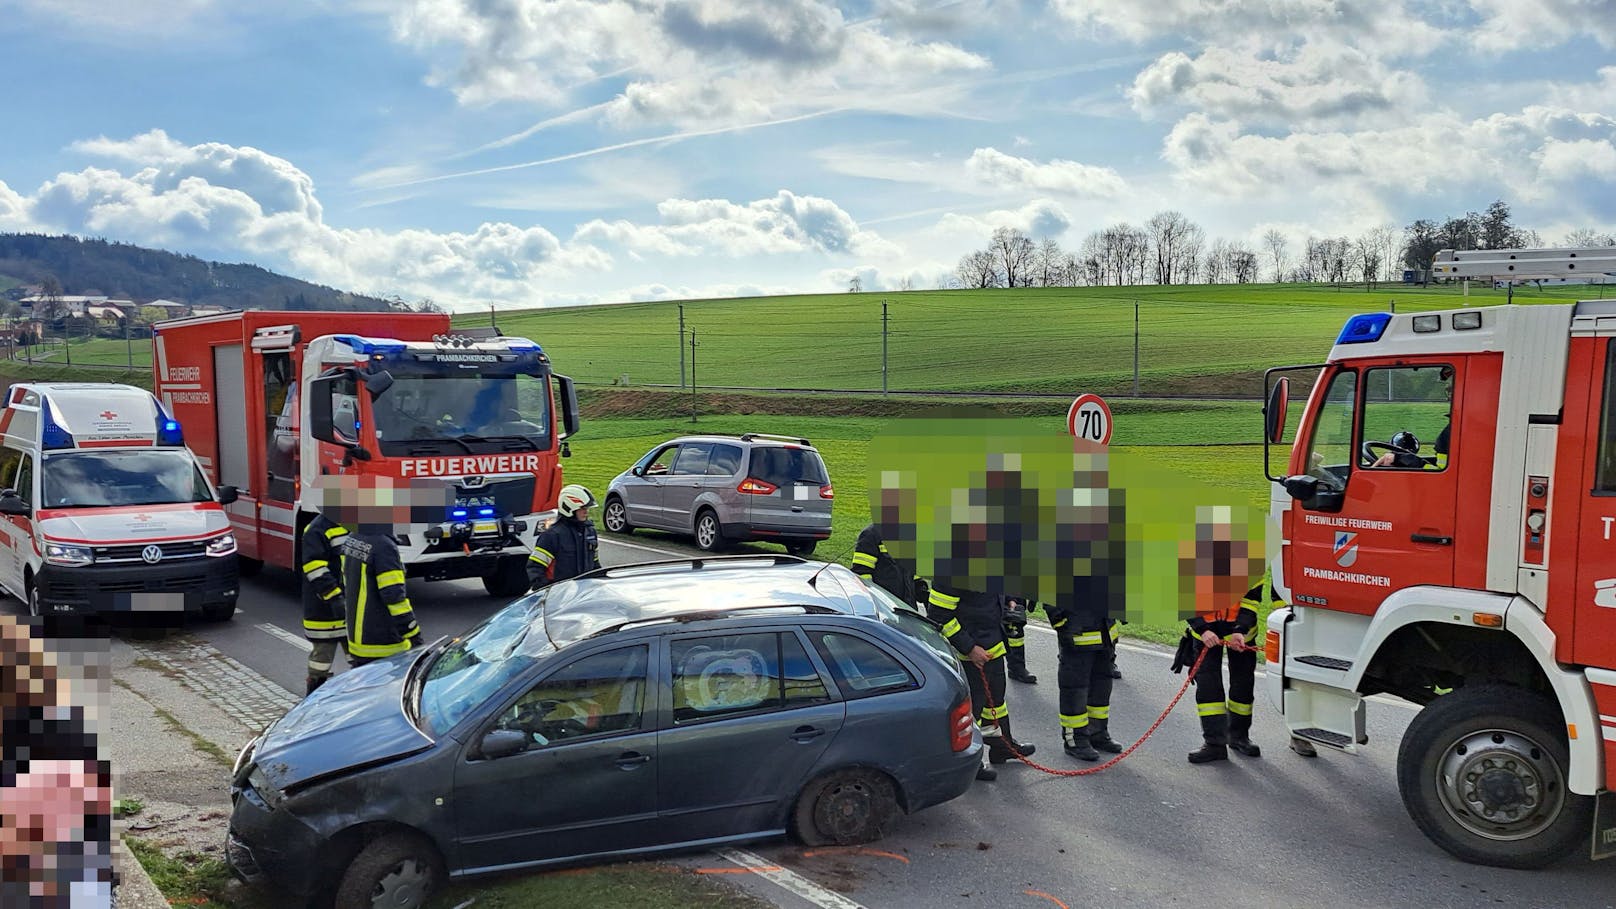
[63,554]
[222,545]
[261,785]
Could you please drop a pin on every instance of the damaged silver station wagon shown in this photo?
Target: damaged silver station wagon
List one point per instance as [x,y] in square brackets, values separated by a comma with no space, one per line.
[659,706]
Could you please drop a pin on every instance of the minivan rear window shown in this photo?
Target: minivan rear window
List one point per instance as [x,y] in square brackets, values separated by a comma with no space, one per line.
[782,466]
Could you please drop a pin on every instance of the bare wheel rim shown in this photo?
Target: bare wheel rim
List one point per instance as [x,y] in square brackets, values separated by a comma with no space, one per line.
[706,531]
[1500,784]
[404,886]
[615,517]
[845,808]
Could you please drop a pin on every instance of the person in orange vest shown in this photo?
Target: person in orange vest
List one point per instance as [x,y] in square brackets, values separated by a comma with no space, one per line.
[1224,620]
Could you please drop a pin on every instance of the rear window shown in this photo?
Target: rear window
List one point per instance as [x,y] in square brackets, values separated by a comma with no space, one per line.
[782,466]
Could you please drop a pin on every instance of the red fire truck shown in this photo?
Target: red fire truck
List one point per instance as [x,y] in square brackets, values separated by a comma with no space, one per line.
[270,400]
[1446,538]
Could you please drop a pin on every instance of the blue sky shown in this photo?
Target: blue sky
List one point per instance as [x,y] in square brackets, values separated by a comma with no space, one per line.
[533,152]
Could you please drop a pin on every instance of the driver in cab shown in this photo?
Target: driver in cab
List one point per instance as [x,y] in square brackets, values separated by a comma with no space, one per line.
[1403,450]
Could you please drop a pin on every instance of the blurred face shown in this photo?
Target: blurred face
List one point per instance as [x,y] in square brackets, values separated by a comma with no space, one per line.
[47,807]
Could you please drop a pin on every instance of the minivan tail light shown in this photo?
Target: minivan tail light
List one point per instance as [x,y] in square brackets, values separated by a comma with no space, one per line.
[827,491]
[960,725]
[756,487]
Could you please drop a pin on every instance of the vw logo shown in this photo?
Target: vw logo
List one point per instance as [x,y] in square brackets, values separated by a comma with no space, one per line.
[153,553]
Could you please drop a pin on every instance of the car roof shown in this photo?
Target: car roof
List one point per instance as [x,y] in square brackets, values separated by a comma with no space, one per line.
[750,439]
[684,589]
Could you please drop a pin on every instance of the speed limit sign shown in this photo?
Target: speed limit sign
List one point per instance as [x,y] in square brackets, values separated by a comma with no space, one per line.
[1090,419]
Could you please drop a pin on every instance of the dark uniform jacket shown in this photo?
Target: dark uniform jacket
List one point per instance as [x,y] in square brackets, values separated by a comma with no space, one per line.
[323,616]
[872,562]
[969,619]
[563,550]
[381,621]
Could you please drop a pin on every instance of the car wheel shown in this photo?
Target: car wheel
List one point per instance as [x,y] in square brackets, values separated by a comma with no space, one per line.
[33,599]
[398,871]
[616,516]
[1483,772]
[219,612]
[845,808]
[802,549]
[709,532]
[508,579]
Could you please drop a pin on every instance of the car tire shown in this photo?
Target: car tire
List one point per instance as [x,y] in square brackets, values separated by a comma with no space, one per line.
[32,593]
[803,549]
[398,870]
[509,577]
[219,612]
[1499,733]
[845,808]
[248,568]
[709,531]
[615,516]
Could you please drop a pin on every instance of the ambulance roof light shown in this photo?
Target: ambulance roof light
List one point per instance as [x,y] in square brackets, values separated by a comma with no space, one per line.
[51,434]
[168,429]
[1365,328]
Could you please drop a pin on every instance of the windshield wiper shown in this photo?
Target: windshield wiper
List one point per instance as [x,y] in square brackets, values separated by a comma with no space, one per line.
[468,437]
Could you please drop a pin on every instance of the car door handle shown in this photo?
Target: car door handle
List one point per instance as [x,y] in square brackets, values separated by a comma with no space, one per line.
[1432,538]
[796,508]
[628,760]
[806,734]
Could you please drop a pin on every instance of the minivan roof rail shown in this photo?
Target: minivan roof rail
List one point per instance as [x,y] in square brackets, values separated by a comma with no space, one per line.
[747,437]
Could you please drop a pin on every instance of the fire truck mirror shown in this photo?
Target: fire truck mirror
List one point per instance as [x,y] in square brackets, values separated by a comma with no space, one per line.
[13,504]
[569,407]
[376,382]
[228,494]
[1274,410]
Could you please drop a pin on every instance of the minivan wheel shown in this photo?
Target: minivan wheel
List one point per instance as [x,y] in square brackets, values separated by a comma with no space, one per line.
[845,808]
[616,516]
[805,548]
[396,871]
[709,533]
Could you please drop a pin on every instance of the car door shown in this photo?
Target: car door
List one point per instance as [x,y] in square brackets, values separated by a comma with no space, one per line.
[685,483]
[587,782]
[749,718]
[645,510]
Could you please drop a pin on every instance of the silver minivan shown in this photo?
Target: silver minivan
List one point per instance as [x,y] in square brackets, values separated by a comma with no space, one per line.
[727,489]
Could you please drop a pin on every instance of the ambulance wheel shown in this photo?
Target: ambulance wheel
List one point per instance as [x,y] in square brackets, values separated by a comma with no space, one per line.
[248,568]
[1484,776]
[845,808]
[709,532]
[508,579]
[397,871]
[33,599]
[616,516]
[219,612]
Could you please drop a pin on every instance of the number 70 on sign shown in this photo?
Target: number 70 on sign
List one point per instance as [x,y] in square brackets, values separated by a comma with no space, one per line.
[1090,419]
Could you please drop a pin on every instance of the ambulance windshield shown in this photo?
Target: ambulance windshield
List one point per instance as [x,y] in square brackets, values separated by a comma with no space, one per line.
[98,479]
[480,413]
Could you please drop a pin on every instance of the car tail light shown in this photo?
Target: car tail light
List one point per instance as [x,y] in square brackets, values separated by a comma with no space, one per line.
[756,487]
[959,725]
[827,491]
[1271,647]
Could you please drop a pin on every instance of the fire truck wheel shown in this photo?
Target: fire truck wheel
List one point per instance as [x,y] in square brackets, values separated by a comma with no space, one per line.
[1484,776]
[508,579]
[248,568]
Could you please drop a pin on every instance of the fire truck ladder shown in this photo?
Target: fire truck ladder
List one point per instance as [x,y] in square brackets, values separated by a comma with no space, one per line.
[1593,264]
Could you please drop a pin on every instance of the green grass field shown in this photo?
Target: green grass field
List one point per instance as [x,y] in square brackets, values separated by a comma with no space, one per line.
[1193,339]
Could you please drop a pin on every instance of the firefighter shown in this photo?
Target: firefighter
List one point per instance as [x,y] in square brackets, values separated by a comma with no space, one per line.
[325,623]
[569,547]
[1086,656]
[381,621]
[974,625]
[1225,721]
[1015,638]
[873,563]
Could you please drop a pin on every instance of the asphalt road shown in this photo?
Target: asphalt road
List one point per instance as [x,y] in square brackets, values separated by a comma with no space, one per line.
[1153,831]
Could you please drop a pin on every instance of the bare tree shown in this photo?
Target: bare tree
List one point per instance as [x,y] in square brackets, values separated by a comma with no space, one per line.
[978,270]
[1587,236]
[906,283]
[1015,254]
[1171,234]
[1047,263]
[1241,262]
[427,304]
[1366,257]
[1217,261]
[1274,243]
[855,284]
[1388,241]
[50,307]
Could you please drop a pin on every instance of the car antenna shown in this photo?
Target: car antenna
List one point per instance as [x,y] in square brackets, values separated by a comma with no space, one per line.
[814,580]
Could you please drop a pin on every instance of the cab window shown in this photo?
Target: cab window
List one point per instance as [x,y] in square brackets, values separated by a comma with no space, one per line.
[601,694]
[1605,467]
[1329,450]
[1407,418]
[10,460]
[25,480]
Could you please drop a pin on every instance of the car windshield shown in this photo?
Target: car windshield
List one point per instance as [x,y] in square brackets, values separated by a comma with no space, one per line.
[471,668]
[97,479]
[430,408]
[893,611]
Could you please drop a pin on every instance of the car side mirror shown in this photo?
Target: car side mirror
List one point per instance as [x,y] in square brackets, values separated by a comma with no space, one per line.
[638,471]
[14,505]
[1306,490]
[228,494]
[1274,411]
[502,743]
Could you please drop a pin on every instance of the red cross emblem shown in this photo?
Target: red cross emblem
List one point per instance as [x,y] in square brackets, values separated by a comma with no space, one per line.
[107,414]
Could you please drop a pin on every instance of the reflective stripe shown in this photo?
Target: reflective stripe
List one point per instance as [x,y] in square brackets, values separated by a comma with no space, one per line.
[315,565]
[358,632]
[995,713]
[400,608]
[542,556]
[943,600]
[323,625]
[863,559]
[1218,709]
[1115,629]
[333,594]
[373,651]
[951,628]
[319,668]
[1239,709]
[883,547]
[1068,721]
[333,532]
[1087,638]
[389,579]
[1059,623]
[1018,641]
[996,651]
[1099,713]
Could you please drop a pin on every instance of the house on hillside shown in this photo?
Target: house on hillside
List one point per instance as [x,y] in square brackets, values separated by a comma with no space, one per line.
[72,305]
[208,310]
[111,311]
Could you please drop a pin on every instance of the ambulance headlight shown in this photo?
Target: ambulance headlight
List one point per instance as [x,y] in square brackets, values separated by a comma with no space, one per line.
[63,554]
[222,545]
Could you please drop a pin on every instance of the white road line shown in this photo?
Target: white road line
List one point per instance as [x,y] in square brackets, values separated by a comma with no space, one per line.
[667,552]
[290,638]
[788,880]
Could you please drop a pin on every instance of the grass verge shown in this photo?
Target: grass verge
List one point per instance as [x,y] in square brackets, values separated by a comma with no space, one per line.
[630,886]
[186,879]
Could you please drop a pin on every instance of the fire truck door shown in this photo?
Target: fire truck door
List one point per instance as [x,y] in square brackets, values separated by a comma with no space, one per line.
[1595,611]
[1380,443]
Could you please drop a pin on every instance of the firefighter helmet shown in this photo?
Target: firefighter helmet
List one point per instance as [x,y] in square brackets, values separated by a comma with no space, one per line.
[1405,441]
[573,498]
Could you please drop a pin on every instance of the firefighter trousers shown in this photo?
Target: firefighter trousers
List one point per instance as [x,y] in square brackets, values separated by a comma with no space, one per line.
[1015,654]
[322,657]
[986,716]
[1225,717]
[1085,687]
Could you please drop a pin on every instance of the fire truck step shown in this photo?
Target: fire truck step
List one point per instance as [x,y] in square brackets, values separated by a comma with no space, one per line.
[1324,737]
[1324,662]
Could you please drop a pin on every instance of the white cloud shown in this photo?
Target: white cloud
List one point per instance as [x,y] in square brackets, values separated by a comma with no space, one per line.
[784,224]
[13,209]
[1070,178]
[1567,161]
[650,293]
[1038,219]
[1390,27]
[1514,25]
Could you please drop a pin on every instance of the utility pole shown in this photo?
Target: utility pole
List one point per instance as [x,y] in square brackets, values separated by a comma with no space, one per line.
[128,345]
[1136,348]
[493,320]
[883,348]
[682,345]
[692,374]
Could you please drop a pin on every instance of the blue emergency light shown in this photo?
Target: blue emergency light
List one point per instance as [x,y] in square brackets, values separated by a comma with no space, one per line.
[368,347]
[1365,328]
[458,514]
[485,512]
[51,434]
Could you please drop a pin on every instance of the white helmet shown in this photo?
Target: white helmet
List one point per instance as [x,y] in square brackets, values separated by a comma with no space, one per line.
[572,498]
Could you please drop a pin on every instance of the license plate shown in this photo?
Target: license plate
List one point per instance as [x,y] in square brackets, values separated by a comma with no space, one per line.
[485,527]
[1604,845]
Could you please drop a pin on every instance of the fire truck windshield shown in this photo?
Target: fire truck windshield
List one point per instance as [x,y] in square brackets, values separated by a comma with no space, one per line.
[98,479]
[477,412]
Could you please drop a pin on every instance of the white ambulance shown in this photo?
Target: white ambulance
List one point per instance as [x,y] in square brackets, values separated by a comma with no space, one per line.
[104,510]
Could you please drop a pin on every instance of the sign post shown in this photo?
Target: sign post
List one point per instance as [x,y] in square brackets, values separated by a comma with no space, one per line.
[1089,419]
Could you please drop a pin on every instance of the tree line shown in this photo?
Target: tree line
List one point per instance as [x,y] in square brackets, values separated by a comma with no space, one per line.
[1169,248]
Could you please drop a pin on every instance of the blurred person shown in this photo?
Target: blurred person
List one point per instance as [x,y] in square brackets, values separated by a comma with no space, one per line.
[872,561]
[380,619]
[1015,638]
[325,621]
[568,547]
[1220,564]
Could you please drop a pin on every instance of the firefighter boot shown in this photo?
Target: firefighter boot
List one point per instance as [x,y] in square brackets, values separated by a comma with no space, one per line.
[986,773]
[991,747]
[1240,736]
[1016,665]
[1100,737]
[1078,745]
[1215,729]
[312,682]
[1008,742]
[1020,674]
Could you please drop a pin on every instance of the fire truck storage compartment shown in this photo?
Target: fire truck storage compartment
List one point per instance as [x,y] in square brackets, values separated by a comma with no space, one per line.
[229,394]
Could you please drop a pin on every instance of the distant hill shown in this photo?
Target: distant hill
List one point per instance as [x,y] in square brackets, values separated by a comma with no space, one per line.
[122,270]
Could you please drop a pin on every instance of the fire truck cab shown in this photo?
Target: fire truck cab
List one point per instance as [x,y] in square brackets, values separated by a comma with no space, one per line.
[104,510]
[1446,521]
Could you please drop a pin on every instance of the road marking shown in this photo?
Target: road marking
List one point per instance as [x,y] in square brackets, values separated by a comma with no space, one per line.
[789,880]
[667,552]
[290,638]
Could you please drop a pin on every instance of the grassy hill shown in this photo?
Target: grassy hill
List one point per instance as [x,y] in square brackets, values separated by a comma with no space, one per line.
[1193,340]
